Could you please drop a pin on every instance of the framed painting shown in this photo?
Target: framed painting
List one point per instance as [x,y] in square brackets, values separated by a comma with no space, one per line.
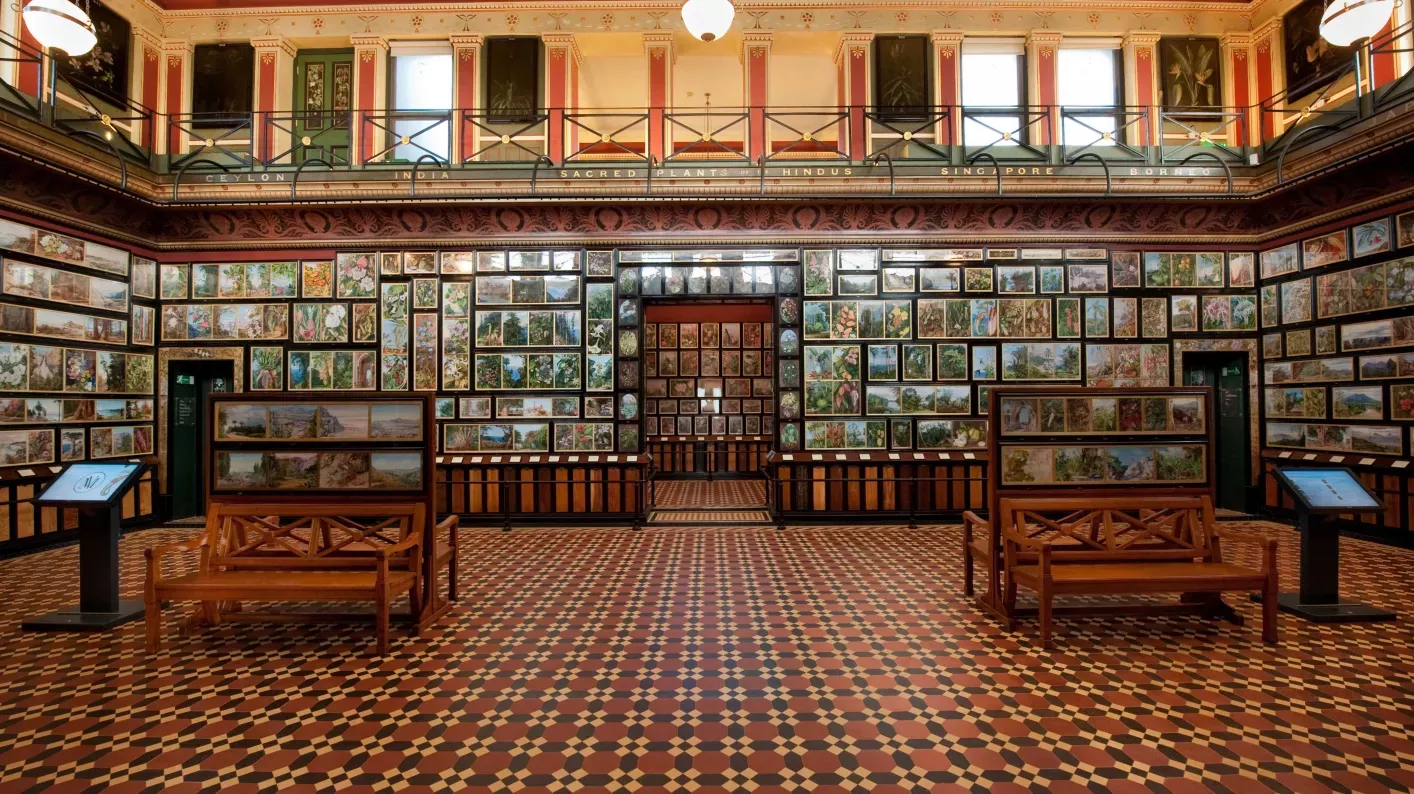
[901,91]
[512,78]
[1189,68]
[1311,61]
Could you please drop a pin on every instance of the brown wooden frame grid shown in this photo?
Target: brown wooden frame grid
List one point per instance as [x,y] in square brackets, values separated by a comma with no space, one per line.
[547,489]
[877,486]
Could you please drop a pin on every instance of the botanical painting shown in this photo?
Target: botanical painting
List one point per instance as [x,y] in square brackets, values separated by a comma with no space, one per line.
[104,69]
[1189,70]
[901,76]
[512,77]
[1311,61]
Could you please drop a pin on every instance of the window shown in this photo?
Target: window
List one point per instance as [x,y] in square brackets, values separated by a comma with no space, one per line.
[421,96]
[992,94]
[1089,95]
[223,82]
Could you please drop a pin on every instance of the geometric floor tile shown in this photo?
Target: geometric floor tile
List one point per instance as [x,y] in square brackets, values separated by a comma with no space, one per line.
[701,494]
[815,659]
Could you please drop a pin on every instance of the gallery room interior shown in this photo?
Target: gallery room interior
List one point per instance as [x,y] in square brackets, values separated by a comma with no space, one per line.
[706,395]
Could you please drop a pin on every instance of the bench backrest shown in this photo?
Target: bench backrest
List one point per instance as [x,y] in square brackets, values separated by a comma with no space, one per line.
[1111,529]
[315,535]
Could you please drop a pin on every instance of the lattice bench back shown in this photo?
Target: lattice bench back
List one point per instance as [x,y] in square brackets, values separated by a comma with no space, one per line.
[284,536]
[1112,529]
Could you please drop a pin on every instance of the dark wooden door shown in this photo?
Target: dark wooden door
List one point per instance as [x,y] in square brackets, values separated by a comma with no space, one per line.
[190,382]
[1227,374]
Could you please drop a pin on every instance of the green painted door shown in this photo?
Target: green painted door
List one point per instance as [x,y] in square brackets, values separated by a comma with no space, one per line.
[323,98]
[1227,374]
[190,382]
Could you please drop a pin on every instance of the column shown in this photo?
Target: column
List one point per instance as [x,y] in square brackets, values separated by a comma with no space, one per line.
[28,75]
[561,93]
[947,54]
[466,89]
[1141,89]
[1236,57]
[274,96]
[852,65]
[176,94]
[662,55]
[148,88]
[1042,48]
[370,95]
[1268,76]
[755,59]
[1390,54]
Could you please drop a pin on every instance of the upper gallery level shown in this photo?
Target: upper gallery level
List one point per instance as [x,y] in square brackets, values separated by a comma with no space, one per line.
[230,101]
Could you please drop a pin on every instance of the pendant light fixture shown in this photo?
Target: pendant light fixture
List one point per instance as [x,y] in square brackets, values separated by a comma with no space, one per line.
[1348,21]
[61,25]
[708,20]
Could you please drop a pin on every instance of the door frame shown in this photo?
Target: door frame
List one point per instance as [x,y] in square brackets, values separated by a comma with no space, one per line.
[1254,392]
[165,357]
[297,97]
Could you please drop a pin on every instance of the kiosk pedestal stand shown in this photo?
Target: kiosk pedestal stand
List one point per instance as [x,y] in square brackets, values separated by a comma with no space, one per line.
[96,489]
[1322,493]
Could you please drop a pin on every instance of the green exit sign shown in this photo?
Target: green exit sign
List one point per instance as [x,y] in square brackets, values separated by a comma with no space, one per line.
[1232,369]
[186,380]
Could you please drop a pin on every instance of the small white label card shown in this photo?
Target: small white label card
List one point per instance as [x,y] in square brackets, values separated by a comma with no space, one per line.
[1337,458]
[1284,455]
[1400,464]
[1367,461]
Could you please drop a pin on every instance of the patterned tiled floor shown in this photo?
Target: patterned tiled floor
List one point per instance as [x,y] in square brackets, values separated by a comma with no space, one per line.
[714,494]
[731,659]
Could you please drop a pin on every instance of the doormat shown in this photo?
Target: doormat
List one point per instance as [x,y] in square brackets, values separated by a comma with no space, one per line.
[678,517]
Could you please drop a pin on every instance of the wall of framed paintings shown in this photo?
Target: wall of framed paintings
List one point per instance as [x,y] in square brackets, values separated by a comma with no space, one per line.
[1337,317]
[77,338]
[853,349]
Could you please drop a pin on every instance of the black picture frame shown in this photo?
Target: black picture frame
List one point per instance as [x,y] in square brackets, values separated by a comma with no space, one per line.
[103,70]
[1311,61]
[223,80]
[512,88]
[903,85]
[1299,493]
[1190,71]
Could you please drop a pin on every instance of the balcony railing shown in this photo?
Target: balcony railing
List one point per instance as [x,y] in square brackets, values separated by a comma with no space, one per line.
[469,139]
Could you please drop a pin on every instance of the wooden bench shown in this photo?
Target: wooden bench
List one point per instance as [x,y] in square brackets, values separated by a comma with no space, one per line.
[320,552]
[1105,546]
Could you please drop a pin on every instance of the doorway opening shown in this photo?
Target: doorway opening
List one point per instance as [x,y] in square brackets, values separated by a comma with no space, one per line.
[709,406]
[189,381]
[1226,373]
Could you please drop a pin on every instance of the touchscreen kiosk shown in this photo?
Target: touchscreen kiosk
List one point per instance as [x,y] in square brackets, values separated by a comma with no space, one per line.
[1328,490]
[1322,494]
[96,490]
[90,485]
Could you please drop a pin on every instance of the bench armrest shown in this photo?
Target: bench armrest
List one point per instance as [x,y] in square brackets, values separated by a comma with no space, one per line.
[969,517]
[413,540]
[1267,544]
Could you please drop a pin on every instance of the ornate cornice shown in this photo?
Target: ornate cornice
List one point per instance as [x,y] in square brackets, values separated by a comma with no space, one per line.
[276,44]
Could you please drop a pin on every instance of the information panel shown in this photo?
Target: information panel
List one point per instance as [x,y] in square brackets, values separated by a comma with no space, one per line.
[1334,490]
[90,484]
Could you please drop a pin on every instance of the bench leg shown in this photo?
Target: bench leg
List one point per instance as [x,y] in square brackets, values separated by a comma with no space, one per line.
[415,602]
[153,612]
[452,574]
[1269,608]
[1045,613]
[381,620]
[967,564]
